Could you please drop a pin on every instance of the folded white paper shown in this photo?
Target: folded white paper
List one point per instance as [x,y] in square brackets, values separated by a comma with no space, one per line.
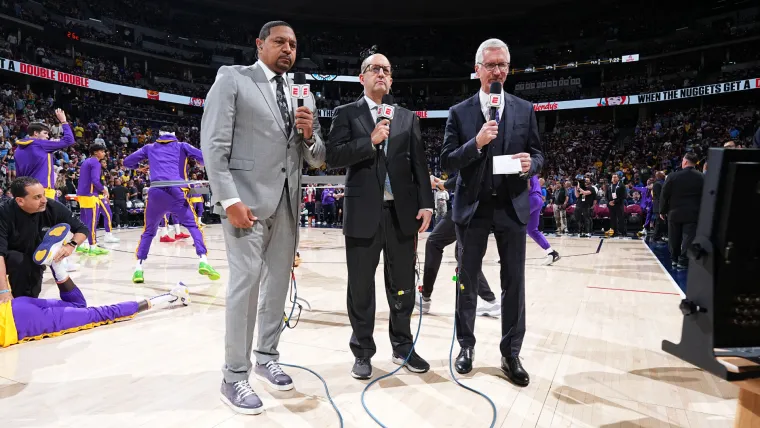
[506,165]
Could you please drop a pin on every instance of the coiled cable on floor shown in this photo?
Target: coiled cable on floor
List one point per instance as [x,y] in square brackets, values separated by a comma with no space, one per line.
[451,355]
[287,324]
[387,375]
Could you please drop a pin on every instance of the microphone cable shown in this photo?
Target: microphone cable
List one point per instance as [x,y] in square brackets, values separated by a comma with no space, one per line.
[288,318]
[459,287]
[414,343]
[287,324]
[456,380]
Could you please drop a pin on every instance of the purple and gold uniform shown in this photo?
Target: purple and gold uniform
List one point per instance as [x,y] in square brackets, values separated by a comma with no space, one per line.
[34,158]
[167,158]
[536,202]
[88,190]
[105,205]
[25,318]
[195,199]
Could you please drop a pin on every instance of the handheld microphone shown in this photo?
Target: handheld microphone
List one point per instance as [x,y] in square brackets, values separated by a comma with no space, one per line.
[300,91]
[494,100]
[386,110]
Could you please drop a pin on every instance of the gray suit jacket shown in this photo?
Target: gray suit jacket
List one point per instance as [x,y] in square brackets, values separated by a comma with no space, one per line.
[246,152]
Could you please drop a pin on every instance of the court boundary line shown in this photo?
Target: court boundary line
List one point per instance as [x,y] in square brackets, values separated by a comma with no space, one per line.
[665,271]
[633,291]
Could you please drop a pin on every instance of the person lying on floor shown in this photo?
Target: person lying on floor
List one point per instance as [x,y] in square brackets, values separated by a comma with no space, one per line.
[26,318]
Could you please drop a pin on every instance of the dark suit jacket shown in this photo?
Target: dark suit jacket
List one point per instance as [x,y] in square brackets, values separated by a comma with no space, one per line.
[619,196]
[656,194]
[451,183]
[682,194]
[350,146]
[460,153]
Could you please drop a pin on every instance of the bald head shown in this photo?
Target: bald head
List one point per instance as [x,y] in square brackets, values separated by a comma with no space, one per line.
[376,76]
[376,59]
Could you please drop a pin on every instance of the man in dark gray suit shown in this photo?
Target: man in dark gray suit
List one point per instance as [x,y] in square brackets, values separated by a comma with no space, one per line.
[486,201]
[255,142]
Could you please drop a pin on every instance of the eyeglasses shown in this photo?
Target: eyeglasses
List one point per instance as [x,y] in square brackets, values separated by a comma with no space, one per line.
[376,69]
[503,66]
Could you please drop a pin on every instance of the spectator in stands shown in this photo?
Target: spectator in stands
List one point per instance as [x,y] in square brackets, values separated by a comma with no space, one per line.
[586,196]
[756,140]
[616,195]
[560,208]
[680,200]
[328,204]
[24,220]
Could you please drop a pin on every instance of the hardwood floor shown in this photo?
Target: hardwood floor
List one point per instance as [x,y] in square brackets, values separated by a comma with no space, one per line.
[595,323]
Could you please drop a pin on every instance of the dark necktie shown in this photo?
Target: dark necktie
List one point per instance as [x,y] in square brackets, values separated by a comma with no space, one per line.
[497,116]
[282,103]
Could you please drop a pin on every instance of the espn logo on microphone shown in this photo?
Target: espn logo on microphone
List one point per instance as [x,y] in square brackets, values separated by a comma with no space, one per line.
[300,91]
[386,111]
[494,100]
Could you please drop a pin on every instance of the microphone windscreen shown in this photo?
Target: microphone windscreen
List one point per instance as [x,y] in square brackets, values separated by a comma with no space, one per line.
[388,99]
[299,78]
[496,88]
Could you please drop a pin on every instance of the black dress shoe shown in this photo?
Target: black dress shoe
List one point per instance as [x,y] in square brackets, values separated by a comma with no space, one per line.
[514,370]
[463,364]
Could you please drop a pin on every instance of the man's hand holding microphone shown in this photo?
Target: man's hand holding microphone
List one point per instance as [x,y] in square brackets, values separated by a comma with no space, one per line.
[381,132]
[304,115]
[385,112]
[490,130]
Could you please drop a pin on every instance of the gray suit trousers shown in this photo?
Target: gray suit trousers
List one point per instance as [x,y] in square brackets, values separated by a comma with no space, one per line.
[262,255]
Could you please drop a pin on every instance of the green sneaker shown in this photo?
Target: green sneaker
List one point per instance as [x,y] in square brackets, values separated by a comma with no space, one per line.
[83,249]
[137,277]
[207,270]
[95,251]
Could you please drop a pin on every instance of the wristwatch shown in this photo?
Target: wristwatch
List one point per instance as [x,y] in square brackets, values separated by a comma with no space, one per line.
[72,244]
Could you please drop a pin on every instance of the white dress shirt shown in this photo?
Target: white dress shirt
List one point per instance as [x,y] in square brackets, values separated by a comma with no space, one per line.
[272,85]
[373,111]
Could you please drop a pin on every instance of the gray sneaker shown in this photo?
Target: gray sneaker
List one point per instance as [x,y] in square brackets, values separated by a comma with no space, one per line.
[241,398]
[362,369]
[271,374]
[425,308]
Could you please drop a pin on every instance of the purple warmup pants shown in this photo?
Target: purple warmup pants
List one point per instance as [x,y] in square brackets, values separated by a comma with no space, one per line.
[89,216]
[168,220]
[198,209]
[105,211]
[161,201]
[43,317]
[535,214]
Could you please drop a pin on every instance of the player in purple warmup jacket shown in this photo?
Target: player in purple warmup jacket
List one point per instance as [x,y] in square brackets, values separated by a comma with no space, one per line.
[536,202]
[167,158]
[34,154]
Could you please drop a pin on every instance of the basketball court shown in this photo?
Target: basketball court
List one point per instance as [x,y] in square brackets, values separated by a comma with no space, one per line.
[595,321]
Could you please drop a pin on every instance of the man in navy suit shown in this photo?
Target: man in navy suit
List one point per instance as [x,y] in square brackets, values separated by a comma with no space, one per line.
[484,201]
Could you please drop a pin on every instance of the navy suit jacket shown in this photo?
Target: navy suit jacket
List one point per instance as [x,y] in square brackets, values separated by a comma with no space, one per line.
[460,154]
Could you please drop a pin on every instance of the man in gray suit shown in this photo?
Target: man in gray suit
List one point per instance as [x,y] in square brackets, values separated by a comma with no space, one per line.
[255,143]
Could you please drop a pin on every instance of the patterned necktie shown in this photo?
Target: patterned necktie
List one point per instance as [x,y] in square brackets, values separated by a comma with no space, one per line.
[283,105]
[497,116]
